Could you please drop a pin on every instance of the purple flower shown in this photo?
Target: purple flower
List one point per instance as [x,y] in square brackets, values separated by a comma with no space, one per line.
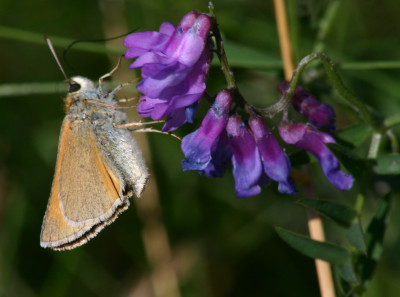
[275,162]
[246,161]
[309,138]
[220,156]
[319,114]
[207,149]
[174,64]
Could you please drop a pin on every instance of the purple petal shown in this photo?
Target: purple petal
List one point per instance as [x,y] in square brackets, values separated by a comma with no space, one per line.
[152,58]
[275,162]
[167,28]
[144,41]
[319,114]
[330,165]
[178,118]
[192,89]
[193,42]
[247,168]
[176,38]
[192,85]
[154,108]
[219,157]
[199,145]
[169,77]
[173,63]
[178,102]
[314,141]
[190,111]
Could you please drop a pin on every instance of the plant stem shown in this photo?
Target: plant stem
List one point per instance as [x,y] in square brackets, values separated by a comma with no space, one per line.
[284,102]
[284,38]
[393,141]
[323,268]
[374,146]
[226,69]
[294,29]
[325,25]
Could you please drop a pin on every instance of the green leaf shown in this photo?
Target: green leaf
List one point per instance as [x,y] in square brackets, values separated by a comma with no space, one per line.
[355,135]
[356,165]
[339,213]
[347,273]
[356,236]
[374,234]
[389,164]
[29,36]
[240,55]
[315,249]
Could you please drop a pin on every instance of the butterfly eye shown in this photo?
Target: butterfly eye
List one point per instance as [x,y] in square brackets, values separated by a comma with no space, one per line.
[74,87]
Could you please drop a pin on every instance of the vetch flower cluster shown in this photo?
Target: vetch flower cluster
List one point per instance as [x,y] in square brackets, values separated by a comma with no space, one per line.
[254,152]
[174,63]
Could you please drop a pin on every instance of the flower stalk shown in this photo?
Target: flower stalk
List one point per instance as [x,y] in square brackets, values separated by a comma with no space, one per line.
[286,98]
[219,42]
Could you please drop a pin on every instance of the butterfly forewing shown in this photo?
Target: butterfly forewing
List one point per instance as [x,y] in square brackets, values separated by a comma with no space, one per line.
[80,207]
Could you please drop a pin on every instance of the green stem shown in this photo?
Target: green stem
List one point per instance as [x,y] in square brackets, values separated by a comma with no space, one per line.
[284,102]
[226,69]
[370,65]
[374,145]
[359,203]
[325,25]
[393,141]
[294,28]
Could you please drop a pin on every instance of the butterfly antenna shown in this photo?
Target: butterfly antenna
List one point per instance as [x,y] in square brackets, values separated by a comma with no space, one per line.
[55,57]
[66,50]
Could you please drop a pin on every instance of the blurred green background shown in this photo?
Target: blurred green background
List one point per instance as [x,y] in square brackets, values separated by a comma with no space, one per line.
[220,245]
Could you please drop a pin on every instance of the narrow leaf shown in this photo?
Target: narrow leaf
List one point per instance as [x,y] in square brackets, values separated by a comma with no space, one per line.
[356,236]
[339,213]
[315,249]
[355,135]
[374,241]
[389,164]
[347,273]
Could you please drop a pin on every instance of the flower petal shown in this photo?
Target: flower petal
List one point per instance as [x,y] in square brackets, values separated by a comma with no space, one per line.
[199,145]
[173,63]
[319,114]
[314,141]
[219,157]
[275,162]
[144,42]
[247,168]
[178,118]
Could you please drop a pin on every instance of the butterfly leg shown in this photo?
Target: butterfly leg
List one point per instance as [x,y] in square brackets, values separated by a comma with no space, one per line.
[156,131]
[101,79]
[138,124]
